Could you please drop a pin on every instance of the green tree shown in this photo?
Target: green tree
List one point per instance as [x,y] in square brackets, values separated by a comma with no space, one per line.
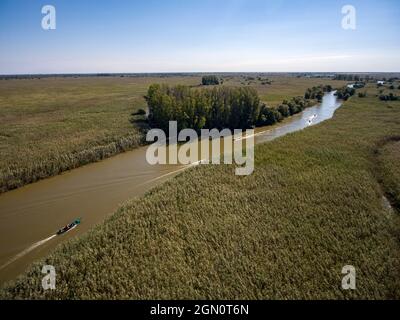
[284,110]
[210,80]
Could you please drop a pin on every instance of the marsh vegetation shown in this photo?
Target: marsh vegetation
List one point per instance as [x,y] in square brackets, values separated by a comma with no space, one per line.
[52,124]
[312,206]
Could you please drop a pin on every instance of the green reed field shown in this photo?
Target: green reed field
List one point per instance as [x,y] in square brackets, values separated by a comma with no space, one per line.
[50,125]
[313,205]
[54,124]
[389,168]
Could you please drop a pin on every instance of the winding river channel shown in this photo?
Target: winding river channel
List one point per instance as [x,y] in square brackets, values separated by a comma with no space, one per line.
[30,216]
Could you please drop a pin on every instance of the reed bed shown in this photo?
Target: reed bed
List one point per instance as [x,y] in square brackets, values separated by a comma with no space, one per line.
[312,206]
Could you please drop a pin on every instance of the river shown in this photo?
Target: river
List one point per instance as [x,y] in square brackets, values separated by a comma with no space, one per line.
[31,215]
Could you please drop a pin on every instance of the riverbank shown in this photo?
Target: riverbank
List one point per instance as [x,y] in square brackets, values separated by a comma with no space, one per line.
[312,206]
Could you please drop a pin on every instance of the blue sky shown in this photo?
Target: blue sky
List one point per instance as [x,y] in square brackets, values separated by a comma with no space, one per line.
[198,35]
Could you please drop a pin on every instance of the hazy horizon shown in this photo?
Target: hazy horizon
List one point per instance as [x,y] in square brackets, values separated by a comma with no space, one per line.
[196,72]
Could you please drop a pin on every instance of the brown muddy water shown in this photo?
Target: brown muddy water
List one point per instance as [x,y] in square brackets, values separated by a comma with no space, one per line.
[30,216]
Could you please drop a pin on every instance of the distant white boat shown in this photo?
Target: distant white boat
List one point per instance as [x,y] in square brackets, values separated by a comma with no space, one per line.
[312,118]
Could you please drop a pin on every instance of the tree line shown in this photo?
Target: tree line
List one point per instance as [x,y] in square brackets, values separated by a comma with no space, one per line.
[388,97]
[220,107]
[270,116]
[210,80]
[352,77]
[345,93]
[317,93]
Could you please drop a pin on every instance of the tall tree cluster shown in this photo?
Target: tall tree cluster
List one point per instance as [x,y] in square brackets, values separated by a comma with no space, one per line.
[220,107]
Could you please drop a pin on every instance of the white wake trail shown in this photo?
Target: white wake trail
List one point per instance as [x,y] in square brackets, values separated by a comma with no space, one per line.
[27,250]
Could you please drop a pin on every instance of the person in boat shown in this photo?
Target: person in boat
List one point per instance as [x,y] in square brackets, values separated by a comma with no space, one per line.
[68,227]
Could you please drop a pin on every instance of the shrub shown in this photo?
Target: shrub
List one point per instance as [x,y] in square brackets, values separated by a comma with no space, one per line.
[268,116]
[359,85]
[317,93]
[140,112]
[284,110]
[345,93]
[210,80]
[389,97]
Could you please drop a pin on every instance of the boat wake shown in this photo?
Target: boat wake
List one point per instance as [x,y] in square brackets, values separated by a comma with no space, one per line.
[311,119]
[27,250]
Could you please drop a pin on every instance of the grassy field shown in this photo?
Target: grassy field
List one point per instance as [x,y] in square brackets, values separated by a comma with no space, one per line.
[313,205]
[282,88]
[50,125]
[389,168]
[55,124]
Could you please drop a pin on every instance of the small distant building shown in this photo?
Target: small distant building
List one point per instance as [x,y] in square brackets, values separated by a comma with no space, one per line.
[380,82]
